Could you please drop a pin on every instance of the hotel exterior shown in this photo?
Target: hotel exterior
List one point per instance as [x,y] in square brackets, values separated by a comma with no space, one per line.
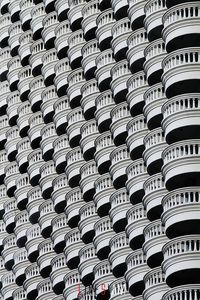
[99,150]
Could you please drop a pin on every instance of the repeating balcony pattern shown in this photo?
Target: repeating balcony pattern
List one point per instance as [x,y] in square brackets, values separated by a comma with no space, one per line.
[99,150]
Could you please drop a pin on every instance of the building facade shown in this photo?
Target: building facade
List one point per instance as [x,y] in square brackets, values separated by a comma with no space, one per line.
[99,150]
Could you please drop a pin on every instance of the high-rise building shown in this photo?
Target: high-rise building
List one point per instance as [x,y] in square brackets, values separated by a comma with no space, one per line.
[99,150]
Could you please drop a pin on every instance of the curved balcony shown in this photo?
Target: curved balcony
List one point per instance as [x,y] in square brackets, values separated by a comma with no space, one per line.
[35,162]
[85,293]
[3,163]
[75,120]
[137,175]
[33,278]
[37,51]
[180,120]
[121,30]
[120,74]
[62,109]
[24,112]
[14,9]
[154,54]
[61,8]
[47,213]
[154,11]
[49,98]
[181,261]
[19,294]
[155,190]
[180,164]
[5,22]
[37,15]
[181,72]
[120,8]
[136,222]
[136,13]
[191,291]
[88,217]
[75,13]
[9,247]
[120,160]
[105,22]
[3,198]
[154,99]
[8,285]
[120,116]
[4,90]
[88,174]
[24,49]
[11,174]
[120,204]
[184,219]
[155,286]
[73,245]
[74,163]
[49,23]
[35,95]
[76,80]
[154,143]
[88,260]
[61,148]
[34,196]
[119,250]
[89,93]
[90,51]
[36,124]
[137,86]
[136,270]
[62,33]
[76,41]
[155,239]
[89,133]
[4,6]
[20,263]
[5,57]
[104,104]
[14,31]
[60,189]
[186,17]
[103,190]
[49,6]
[104,62]
[73,204]
[59,229]
[4,127]
[118,290]
[103,277]
[45,290]
[104,146]
[90,12]
[72,285]
[137,130]
[48,134]
[49,60]
[25,13]
[21,225]
[13,102]
[34,238]
[48,174]
[62,70]
[46,254]
[103,234]
[3,234]
[14,66]
[10,210]
[59,270]
[23,149]
[137,42]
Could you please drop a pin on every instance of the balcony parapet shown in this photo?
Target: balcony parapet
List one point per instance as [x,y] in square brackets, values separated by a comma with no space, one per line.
[10,210]
[47,213]
[25,13]
[5,56]
[76,41]
[9,247]
[89,92]
[89,53]
[49,97]
[24,113]
[5,22]
[24,49]
[45,290]
[34,196]
[49,60]
[60,188]
[37,15]
[49,23]
[74,163]
[73,245]
[14,31]
[90,12]
[36,123]
[59,270]
[62,70]
[62,33]
[48,134]
[3,163]
[23,150]
[4,127]
[19,294]
[46,254]
[21,262]
[48,173]
[62,109]
[14,66]
[136,13]
[62,8]
[61,148]
[59,229]
[75,13]
[72,281]
[21,225]
[105,22]
[191,291]
[120,204]
[33,278]
[34,238]
[155,285]
[11,174]
[35,162]
[89,133]
[74,202]
[136,222]
[4,90]
[8,285]
[35,95]
[76,80]
[13,102]
[120,8]
[37,51]
[75,120]
[88,174]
